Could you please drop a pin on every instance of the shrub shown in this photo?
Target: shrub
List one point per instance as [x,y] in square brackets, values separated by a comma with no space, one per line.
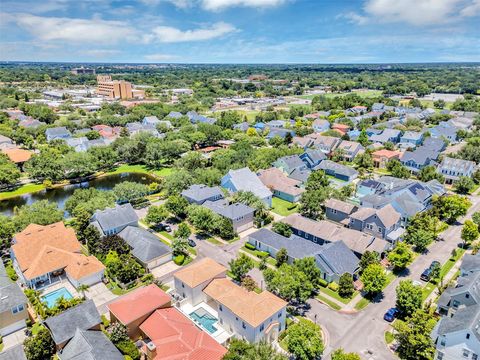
[333,286]
[323,283]
[148,278]
[262,254]
[179,259]
[128,348]
[250,246]
[291,207]
[105,321]
[11,271]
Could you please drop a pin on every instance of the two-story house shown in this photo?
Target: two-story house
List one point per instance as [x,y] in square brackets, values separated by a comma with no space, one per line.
[289,164]
[411,138]
[452,169]
[281,185]
[320,125]
[350,149]
[325,143]
[246,180]
[339,171]
[313,157]
[13,305]
[339,211]
[240,215]
[113,220]
[55,133]
[378,222]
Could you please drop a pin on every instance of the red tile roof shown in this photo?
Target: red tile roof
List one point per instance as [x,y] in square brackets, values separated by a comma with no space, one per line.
[176,337]
[138,303]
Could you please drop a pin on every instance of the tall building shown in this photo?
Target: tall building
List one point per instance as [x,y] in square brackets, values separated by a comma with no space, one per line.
[82,70]
[116,89]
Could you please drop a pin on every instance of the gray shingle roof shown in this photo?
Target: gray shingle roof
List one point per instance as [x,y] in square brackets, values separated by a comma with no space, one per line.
[145,246]
[337,168]
[296,247]
[467,318]
[246,180]
[120,215]
[90,345]
[10,293]
[13,353]
[461,166]
[470,262]
[64,325]
[230,211]
[200,192]
[292,161]
[337,258]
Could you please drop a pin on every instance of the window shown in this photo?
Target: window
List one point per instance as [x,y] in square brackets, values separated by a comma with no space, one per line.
[440,356]
[468,336]
[474,356]
[467,296]
[262,327]
[442,342]
[279,315]
[455,303]
[465,353]
[236,318]
[334,211]
[220,307]
[17,308]
[243,325]
[183,285]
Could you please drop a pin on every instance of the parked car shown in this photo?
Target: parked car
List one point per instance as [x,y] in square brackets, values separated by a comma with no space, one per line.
[192,243]
[390,315]
[427,273]
[167,228]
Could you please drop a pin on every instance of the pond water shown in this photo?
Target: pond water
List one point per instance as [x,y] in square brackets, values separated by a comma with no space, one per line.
[61,194]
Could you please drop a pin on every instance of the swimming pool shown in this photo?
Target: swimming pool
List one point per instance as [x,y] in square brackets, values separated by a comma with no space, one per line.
[205,319]
[51,298]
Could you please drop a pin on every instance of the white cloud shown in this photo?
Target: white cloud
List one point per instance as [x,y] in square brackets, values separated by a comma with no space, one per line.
[217,5]
[415,12]
[160,57]
[74,30]
[167,34]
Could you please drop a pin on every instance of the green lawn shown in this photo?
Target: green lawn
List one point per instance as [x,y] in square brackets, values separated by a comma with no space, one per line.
[142,169]
[389,337]
[363,94]
[24,189]
[427,290]
[167,235]
[214,241]
[336,296]
[117,290]
[451,262]
[362,304]
[280,207]
[256,253]
[328,302]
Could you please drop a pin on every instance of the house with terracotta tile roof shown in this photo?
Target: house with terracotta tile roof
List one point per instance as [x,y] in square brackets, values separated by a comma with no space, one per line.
[134,308]
[382,157]
[238,312]
[18,156]
[171,335]
[40,254]
[281,185]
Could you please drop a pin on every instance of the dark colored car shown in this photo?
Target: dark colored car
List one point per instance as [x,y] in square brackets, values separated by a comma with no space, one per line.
[390,315]
[427,273]
[192,243]
[167,228]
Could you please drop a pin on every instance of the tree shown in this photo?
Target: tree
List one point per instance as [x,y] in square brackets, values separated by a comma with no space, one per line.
[340,354]
[363,138]
[242,350]
[450,208]
[311,202]
[317,180]
[281,257]
[183,231]
[304,340]
[413,336]
[248,283]
[469,232]
[289,283]
[129,191]
[40,212]
[309,267]
[7,229]
[401,256]
[282,228]
[428,173]
[368,258]
[177,205]
[373,279]
[39,346]
[45,165]
[346,288]
[464,185]
[476,218]
[117,332]
[178,181]
[409,298]
[201,218]
[180,246]
[156,214]
[9,173]
[364,161]
[240,266]
[397,169]
[439,104]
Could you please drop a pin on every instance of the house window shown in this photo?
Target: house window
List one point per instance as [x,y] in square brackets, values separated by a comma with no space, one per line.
[456,303]
[236,318]
[467,296]
[468,336]
[183,285]
[474,356]
[279,315]
[442,342]
[220,307]
[334,211]
[17,308]
[465,353]
[262,327]
[440,356]
[243,325]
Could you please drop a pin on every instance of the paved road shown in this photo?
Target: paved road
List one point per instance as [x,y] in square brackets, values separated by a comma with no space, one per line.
[363,332]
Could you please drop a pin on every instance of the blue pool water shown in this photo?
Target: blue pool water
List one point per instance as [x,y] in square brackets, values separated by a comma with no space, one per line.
[205,319]
[52,297]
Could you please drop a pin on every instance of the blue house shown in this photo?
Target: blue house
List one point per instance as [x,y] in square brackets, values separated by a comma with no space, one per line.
[413,138]
[260,126]
[57,133]
[312,157]
[246,180]
[280,132]
[419,158]
[445,130]
[387,135]
[339,171]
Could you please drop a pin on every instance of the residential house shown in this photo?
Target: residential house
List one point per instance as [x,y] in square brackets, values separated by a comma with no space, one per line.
[63,326]
[357,109]
[133,309]
[465,293]
[246,180]
[18,156]
[288,164]
[452,169]
[382,157]
[419,158]
[444,130]
[456,337]
[339,171]
[411,138]
[276,124]
[335,259]
[378,222]
[300,175]
[302,142]
[5,142]
[55,133]
[434,144]
[13,353]
[320,125]
[387,135]
[367,187]
[341,128]
[350,149]
[91,345]
[282,186]
[339,211]
[134,128]
[470,264]
[13,305]
[280,132]
[41,253]
[169,334]
[322,232]
[199,193]
[113,220]
[327,144]
[107,132]
[146,247]
[30,123]
[174,115]
[150,120]
[240,215]
[243,126]
[312,158]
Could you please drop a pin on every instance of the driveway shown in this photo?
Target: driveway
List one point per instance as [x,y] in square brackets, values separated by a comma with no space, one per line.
[13,339]
[363,332]
[100,296]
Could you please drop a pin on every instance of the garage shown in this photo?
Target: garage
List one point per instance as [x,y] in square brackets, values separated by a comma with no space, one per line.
[12,328]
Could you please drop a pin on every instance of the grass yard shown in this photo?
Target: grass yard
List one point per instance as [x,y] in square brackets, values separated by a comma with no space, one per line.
[451,262]
[214,241]
[256,253]
[22,190]
[389,337]
[362,304]
[427,290]
[167,235]
[328,302]
[280,207]
[142,169]
[336,296]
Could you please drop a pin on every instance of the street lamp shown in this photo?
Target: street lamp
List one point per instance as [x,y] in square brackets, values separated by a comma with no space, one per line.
[315,319]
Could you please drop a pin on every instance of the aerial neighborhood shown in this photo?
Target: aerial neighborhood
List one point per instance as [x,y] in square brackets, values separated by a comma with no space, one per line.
[280,214]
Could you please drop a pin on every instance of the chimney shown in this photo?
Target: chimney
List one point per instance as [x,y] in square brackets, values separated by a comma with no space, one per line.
[151,349]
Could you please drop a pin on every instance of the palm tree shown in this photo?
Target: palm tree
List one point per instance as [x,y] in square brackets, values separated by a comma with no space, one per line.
[82,288]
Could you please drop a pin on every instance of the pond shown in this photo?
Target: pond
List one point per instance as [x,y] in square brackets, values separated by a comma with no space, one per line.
[61,194]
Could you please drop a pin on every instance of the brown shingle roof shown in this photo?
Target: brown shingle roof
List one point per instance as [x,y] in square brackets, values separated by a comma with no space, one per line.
[340,205]
[17,155]
[275,179]
[199,272]
[248,305]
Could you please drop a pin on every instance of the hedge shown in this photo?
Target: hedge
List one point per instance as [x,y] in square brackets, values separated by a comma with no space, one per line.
[333,286]
[323,283]
[249,246]
[128,348]
[179,259]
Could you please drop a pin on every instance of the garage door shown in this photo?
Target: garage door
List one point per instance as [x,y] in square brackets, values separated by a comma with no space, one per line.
[12,328]
[159,261]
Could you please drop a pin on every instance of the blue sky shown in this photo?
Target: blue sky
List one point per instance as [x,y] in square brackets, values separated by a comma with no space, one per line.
[240,31]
